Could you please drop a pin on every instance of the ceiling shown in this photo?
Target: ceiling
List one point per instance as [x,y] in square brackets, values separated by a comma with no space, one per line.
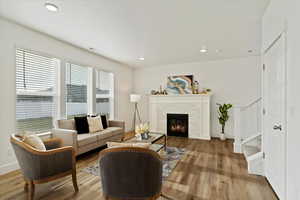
[161,31]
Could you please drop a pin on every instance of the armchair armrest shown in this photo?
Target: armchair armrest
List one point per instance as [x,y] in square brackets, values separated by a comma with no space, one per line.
[117,123]
[68,137]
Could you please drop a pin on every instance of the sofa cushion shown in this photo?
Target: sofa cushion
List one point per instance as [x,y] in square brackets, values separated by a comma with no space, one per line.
[109,132]
[88,147]
[85,139]
[66,124]
[115,129]
[82,125]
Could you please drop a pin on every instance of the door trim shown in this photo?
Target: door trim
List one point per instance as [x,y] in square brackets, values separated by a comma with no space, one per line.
[283,35]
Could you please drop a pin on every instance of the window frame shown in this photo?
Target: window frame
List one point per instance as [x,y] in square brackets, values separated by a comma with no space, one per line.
[111,98]
[55,94]
[89,86]
[60,104]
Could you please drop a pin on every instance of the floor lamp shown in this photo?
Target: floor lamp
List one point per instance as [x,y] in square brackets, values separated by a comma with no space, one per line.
[135,98]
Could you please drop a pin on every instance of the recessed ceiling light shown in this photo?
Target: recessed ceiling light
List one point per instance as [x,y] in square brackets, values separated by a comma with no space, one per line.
[218,50]
[51,7]
[141,58]
[203,49]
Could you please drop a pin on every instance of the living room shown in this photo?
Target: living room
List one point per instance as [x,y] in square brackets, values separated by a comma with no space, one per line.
[180,94]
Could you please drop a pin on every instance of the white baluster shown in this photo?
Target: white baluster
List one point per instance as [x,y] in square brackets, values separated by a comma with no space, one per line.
[237,130]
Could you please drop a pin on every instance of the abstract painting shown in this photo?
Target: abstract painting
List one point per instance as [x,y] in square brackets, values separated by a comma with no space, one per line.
[180,84]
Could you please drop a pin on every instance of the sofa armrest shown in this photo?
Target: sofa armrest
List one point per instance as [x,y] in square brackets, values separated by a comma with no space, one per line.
[116,123]
[68,137]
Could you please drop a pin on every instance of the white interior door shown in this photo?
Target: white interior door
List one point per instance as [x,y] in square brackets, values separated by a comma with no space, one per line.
[274,118]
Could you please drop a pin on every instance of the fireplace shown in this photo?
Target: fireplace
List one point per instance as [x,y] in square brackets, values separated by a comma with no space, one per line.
[178,125]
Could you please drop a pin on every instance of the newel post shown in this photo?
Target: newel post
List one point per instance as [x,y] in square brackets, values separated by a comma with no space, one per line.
[237,145]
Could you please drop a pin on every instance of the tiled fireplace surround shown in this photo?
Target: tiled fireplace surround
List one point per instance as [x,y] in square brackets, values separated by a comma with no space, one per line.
[196,106]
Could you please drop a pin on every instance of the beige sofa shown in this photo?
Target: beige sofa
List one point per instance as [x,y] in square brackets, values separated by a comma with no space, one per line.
[82,143]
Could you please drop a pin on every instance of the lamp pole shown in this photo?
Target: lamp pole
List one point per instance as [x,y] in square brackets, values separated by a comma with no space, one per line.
[136,114]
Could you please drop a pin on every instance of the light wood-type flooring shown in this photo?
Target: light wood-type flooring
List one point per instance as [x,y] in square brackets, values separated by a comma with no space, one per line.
[208,171]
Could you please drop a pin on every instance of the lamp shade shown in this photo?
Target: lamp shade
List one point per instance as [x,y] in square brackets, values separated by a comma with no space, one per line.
[134,98]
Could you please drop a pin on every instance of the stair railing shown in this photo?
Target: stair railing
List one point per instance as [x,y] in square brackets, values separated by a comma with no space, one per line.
[247,122]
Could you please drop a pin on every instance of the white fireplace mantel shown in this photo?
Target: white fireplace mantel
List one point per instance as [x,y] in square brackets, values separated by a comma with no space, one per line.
[197,106]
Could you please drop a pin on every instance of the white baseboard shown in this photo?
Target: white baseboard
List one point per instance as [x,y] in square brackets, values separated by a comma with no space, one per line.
[217,135]
[8,167]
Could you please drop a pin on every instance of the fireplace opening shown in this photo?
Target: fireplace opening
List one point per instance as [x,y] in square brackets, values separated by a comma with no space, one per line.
[178,125]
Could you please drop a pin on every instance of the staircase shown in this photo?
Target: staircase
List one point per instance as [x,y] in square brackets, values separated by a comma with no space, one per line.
[248,135]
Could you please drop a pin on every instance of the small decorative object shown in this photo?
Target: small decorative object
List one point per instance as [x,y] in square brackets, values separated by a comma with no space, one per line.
[142,130]
[205,91]
[160,90]
[165,92]
[195,87]
[153,92]
[223,117]
[180,84]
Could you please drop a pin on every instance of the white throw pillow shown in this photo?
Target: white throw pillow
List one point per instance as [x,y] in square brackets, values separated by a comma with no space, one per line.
[95,124]
[34,141]
[119,144]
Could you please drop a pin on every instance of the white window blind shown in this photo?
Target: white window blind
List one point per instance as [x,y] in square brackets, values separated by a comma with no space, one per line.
[35,91]
[105,93]
[76,90]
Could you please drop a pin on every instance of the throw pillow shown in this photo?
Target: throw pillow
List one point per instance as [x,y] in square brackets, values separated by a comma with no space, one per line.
[34,141]
[82,125]
[95,124]
[119,144]
[24,133]
[104,121]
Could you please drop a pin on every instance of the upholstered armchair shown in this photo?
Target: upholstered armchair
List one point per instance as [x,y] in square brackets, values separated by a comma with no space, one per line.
[44,166]
[131,173]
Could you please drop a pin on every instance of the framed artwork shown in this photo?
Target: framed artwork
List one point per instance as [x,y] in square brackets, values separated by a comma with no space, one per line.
[180,84]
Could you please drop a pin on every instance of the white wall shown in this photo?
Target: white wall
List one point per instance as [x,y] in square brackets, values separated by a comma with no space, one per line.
[12,35]
[235,81]
[284,15]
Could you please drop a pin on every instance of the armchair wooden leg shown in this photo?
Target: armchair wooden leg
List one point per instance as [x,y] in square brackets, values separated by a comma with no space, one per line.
[74,179]
[31,190]
[26,186]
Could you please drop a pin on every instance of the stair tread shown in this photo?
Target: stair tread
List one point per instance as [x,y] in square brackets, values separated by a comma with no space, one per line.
[250,150]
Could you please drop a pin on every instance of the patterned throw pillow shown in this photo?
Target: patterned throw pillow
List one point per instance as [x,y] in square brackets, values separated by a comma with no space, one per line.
[95,124]
[34,141]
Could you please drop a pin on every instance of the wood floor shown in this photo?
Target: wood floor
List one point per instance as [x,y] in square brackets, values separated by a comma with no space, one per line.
[208,171]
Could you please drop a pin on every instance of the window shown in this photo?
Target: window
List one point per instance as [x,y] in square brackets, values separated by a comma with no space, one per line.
[36,91]
[76,90]
[105,93]
[40,101]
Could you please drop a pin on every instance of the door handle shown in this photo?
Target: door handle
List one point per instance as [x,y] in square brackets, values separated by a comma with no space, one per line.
[277,127]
